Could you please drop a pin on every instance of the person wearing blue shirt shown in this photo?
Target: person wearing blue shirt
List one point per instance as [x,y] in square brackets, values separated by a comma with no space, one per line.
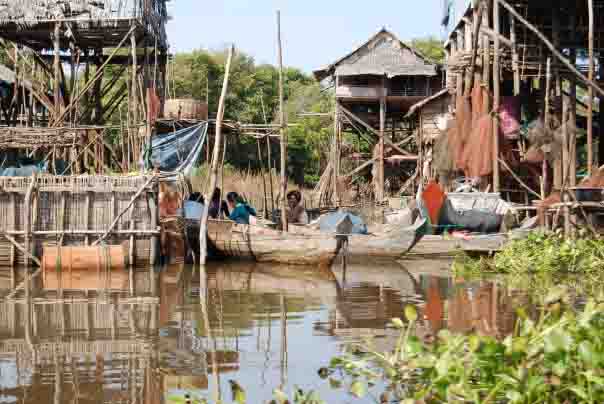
[240,210]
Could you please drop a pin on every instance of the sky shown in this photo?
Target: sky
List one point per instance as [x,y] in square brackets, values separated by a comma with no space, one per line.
[315,32]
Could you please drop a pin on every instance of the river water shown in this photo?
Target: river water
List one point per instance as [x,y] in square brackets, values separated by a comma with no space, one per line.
[143,337]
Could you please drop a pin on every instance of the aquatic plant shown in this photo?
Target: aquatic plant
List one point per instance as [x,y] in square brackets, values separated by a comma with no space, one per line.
[557,358]
[551,253]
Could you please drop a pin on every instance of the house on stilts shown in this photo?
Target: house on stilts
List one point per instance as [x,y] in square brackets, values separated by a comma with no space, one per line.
[375,85]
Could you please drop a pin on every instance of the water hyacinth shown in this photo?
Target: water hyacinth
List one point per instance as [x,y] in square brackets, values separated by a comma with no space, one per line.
[557,359]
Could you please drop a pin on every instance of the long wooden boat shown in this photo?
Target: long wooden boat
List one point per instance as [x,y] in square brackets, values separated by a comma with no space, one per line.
[304,246]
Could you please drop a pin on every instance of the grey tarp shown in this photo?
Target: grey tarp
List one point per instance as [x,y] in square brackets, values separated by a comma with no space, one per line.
[179,151]
[328,222]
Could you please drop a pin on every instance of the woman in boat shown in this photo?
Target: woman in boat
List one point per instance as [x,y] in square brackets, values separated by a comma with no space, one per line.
[240,210]
[296,214]
[218,208]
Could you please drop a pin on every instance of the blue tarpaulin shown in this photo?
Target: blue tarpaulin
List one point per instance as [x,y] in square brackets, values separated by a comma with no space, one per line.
[328,222]
[178,151]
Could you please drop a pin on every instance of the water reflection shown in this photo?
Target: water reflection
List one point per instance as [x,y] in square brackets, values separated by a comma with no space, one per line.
[141,336]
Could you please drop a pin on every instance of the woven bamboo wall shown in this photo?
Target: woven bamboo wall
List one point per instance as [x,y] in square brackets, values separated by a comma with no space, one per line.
[76,211]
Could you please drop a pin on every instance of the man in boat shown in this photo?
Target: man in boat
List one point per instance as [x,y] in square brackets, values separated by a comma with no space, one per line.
[240,210]
[296,214]
[218,208]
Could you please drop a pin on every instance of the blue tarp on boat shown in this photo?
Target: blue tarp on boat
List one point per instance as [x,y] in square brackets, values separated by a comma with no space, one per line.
[328,222]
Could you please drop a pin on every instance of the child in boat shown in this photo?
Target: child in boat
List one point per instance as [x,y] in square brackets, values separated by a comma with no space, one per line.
[218,208]
[296,214]
[240,210]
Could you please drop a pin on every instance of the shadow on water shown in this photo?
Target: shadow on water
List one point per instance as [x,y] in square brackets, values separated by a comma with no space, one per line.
[141,336]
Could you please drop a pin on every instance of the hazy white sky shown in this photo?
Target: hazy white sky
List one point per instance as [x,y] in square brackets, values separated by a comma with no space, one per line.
[315,32]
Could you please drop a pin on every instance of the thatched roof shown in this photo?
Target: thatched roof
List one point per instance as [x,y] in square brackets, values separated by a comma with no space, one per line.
[382,55]
[31,10]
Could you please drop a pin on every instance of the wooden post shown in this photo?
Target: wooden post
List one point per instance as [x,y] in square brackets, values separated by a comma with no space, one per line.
[590,93]
[57,68]
[203,233]
[572,119]
[27,213]
[134,85]
[515,66]
[552,48]
[381,169]
[546,124]
[565,165]
[270,171]
[282,128]
[486,66]
[336,152]
[496,95]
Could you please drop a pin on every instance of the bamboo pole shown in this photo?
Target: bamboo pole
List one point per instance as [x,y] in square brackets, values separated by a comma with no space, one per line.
[565,165]
[475,40]
[203,233]
[283,129]
[590,92]
[89,84]
[546,123]
[486,63]
[57,68]
[551,47]
[380,195]
[131,203]
[496,99]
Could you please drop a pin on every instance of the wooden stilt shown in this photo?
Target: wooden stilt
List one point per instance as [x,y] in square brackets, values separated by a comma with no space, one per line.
[565,165]
[380,194]
[551,47]
[282,129]
[214,166]
[590,92]
[486,64]
[546,123]
[496,97]
[572,120]
[336,152]
[57,67]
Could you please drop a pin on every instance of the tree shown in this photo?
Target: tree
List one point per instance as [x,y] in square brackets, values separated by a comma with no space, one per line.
[431,47]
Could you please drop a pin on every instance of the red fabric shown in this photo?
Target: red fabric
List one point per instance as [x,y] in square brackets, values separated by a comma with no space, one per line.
[153,105]
[434,198]
[509,116]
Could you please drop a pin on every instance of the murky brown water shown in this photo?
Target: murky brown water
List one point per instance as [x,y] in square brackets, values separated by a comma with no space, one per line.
[146,339]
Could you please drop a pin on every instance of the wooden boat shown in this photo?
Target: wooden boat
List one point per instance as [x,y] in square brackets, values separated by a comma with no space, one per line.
[450,244]
[305,246]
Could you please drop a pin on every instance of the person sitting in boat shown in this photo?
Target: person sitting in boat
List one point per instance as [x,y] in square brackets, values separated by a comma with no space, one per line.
[296,214]
[218,208]
[241,212]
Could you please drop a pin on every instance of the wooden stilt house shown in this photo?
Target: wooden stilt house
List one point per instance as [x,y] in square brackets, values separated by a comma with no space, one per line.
[375,85]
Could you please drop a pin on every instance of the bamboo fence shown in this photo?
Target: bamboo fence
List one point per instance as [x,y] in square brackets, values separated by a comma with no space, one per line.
[76,211]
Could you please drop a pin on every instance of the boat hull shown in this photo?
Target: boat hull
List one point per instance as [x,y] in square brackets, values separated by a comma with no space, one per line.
[267,245]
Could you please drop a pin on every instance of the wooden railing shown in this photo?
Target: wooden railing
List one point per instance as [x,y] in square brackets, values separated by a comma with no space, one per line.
[356,91]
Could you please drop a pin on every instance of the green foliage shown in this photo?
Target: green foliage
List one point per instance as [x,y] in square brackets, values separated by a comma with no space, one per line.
[559,357]
[431,47]
[552,254]
[253,97]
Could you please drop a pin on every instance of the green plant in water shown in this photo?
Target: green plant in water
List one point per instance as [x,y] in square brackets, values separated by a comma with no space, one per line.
[556,359]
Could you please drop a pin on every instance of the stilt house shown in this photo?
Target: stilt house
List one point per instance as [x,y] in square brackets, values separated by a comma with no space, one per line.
[375,85]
